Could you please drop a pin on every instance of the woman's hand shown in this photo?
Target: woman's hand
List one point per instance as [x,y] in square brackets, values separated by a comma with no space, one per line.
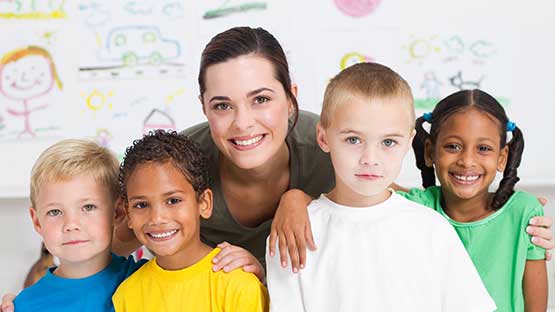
[291,226]
[540,229]
[7,303]
[233,257]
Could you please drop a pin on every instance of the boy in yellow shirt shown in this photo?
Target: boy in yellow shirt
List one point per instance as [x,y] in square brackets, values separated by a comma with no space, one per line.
[164,180]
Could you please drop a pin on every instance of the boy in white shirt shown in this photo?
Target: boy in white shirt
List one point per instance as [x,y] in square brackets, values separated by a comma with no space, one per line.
[377,251]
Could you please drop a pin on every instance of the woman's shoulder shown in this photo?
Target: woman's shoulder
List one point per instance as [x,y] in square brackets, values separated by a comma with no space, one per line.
[304,133]
[199,130]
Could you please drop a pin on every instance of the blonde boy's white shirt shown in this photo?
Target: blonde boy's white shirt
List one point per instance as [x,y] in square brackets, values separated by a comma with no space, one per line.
[396,256]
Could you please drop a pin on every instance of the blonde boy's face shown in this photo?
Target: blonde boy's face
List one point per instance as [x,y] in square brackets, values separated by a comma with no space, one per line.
[163,210]
[367,141]
[75,219]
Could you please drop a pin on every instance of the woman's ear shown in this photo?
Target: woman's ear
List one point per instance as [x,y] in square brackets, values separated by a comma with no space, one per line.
[205,203]
[428,153]
[322,138]
[202,104]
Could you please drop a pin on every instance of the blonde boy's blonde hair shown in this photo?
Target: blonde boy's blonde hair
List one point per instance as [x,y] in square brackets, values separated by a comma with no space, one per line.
[369,81]
[73,157]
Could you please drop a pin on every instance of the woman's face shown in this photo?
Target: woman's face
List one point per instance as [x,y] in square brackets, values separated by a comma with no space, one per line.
[247,110]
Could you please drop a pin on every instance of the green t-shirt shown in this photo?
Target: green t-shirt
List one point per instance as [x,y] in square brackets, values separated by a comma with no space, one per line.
[310,171]
[498,244]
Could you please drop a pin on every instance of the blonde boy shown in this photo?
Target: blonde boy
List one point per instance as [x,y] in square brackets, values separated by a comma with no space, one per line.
[376,250]
[74,188]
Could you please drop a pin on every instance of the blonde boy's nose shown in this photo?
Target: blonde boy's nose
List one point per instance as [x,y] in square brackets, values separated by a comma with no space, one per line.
[369,157]
[71,223]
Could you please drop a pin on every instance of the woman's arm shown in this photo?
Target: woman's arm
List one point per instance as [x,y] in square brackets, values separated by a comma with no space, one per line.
[535,286]
[292,227]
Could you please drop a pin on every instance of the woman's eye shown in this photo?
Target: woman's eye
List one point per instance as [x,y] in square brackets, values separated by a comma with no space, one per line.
[222,106]
[140,205]
[89,207]
[261,99]
[54,212]
[173,201]
[389,143]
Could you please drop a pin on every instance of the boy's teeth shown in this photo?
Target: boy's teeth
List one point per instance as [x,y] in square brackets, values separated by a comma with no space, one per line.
[249,141]
[466,178]
[163,234]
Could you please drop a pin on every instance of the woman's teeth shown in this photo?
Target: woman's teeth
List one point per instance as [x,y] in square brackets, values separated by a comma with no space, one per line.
[249,141]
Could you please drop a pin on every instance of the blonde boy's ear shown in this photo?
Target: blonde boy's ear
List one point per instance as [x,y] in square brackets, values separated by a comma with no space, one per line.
[205,203]
[35,219]
[502,160]
[322,138]
[428,153]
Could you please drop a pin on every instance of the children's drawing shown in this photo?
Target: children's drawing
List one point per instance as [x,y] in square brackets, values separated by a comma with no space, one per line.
[97,100]
[458,82]
[482,49]
[143,7]
[27,74]
[431,85]
[158,119]
[352,58]
[420,49]
[103,137]
[357,8]
[2,126]
[139,44]
[97,14]
[171,98]
[48,36]
[32,9]
[173,9]
[225,10]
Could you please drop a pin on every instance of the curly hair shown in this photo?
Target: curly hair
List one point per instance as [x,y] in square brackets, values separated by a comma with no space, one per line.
[162,146]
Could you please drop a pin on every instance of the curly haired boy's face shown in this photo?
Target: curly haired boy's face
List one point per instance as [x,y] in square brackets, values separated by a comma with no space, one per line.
[163,210]
[75,219]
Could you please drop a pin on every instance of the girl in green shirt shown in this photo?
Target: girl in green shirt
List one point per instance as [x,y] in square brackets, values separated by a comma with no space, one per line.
[467,145]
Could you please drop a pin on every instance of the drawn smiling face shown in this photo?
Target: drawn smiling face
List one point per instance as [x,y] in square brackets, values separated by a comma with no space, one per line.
[26,78]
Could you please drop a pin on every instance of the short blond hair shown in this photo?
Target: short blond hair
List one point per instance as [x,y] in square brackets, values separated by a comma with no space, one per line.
[367,80]
[73,157]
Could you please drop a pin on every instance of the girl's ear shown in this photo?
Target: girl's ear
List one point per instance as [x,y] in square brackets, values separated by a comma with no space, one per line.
[205,203]
[428,153]
[502,160]
[322,138]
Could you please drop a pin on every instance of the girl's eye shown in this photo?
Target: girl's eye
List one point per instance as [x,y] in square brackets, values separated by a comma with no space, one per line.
[173,201]
[452,147]
[389,143]
[89,207]
[222,106]
[261,99]
[353,140]
[484,149]
[54,212]
[140,205]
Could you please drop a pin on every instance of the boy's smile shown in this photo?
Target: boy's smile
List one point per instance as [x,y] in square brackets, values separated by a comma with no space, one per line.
[367,140]
[164,213]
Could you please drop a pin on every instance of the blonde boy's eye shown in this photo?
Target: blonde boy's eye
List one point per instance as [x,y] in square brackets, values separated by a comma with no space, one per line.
[389,143]
[89,207]
[353,140]
[54,212]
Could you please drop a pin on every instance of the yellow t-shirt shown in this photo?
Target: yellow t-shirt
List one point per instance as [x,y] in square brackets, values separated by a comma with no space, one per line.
[196,288]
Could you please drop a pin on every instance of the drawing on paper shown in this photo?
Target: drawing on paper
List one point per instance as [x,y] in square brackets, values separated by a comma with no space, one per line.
[226,9]
[158,119]
[26,75]
[458,82]
[357,8]
[2,125]
[97,100]
[353,58]
[171,98]
[32,9]
[103,137]
[419,49]
[97,14]
[173,9]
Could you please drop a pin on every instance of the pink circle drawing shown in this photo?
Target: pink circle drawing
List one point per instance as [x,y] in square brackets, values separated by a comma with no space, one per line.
[357,8]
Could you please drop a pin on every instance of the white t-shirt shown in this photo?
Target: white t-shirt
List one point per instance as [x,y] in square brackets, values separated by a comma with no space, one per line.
[394,256]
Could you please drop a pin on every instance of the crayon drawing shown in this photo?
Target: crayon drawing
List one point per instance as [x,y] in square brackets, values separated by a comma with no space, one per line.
[27,75]
[32,9]
[357,8]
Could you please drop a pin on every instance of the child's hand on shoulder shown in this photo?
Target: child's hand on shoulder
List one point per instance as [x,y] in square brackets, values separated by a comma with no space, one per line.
[233,257]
